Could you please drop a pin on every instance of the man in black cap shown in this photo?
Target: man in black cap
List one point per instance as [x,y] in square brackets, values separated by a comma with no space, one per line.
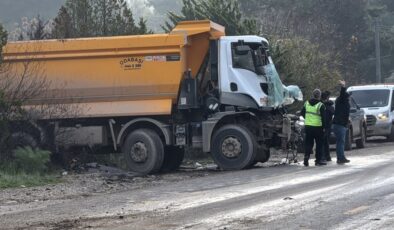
[314,114]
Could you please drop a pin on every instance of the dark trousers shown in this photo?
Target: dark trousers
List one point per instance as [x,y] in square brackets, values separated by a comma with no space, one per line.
[326,145]
[313,134]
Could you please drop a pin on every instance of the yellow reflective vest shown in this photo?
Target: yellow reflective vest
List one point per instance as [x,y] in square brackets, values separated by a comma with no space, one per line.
[312,114]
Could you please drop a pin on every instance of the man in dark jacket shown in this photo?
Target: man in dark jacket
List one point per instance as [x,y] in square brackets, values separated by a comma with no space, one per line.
[340,122]
[314,114]
[325,97]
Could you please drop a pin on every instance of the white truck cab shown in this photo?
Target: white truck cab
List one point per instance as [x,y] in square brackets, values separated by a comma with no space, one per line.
[248,77]
[378,104]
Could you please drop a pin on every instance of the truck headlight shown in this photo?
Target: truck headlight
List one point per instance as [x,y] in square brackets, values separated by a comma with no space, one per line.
[383,116]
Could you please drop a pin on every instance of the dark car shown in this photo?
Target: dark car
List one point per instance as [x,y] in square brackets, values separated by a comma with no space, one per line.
[356,128]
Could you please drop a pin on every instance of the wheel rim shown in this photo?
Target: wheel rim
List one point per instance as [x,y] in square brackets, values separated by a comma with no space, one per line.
[231,147]
[139,152]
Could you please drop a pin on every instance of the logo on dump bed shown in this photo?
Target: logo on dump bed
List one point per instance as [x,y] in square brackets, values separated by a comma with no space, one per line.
[132,63]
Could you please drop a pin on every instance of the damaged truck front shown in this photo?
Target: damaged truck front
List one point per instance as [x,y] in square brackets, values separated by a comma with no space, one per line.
[152,96]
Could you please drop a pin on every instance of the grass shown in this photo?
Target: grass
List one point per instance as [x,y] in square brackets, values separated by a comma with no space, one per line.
[12,180]
[28,168]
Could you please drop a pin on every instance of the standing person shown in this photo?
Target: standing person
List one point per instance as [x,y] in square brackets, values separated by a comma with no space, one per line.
[340,122]
[325,97]
[314,114]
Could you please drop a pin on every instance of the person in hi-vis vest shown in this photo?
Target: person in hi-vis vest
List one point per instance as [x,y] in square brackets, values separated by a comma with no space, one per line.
[314,114]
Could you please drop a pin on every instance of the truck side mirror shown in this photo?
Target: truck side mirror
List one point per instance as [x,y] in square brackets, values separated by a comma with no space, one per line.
[242,50]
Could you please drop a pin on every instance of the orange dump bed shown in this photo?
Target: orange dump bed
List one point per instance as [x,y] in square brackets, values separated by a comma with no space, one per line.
[116,76]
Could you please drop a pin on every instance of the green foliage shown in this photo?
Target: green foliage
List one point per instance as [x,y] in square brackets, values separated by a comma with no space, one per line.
[28,167]
[3,39]
[8,180]
[224,12]
[299,62]
[28,160]
[92,18]
[342,28]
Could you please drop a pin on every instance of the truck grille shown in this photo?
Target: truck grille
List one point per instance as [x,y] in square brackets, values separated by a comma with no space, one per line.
[371,120]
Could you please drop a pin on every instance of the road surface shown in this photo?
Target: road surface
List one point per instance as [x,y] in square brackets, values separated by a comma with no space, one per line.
[359,195]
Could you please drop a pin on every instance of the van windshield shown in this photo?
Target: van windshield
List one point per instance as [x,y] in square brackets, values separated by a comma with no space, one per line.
[371,98]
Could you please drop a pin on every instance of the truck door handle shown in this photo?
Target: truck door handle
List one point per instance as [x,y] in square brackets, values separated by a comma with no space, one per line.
[233,87]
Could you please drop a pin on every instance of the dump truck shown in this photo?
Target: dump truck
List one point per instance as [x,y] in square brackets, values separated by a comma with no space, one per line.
[152,96]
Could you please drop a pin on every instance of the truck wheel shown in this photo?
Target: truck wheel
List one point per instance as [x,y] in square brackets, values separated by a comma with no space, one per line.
[348,140]
[360,143]
[173,158]
[234,147]
[143,151]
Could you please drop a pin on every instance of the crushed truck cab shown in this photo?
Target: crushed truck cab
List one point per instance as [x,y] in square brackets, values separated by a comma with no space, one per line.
[152,96]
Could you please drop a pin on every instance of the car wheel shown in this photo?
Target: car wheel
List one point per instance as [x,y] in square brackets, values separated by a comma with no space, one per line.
[349,140]
[234,147]
[360,143]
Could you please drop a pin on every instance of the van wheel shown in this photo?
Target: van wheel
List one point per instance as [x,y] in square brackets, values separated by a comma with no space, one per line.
[173,158]
[234,147]
[391,136]
[143,151]
[349,140]
[360,143]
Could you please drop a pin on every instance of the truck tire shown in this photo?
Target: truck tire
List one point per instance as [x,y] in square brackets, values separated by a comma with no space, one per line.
[360,143]
[234,147]
[144,151]
[173,158]
[349,140]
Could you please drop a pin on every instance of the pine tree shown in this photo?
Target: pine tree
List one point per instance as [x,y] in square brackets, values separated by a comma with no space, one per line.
[62,25]
[91,18]
[224,12]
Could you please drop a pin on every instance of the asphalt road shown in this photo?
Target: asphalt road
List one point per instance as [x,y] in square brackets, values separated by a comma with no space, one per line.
[359,195]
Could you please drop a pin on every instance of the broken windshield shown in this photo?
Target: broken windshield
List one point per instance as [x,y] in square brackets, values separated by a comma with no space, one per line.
[250,56]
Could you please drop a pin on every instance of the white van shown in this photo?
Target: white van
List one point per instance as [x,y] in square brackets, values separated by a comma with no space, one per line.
[378,104]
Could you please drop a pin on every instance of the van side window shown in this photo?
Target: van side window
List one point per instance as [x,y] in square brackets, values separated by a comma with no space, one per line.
[392,100]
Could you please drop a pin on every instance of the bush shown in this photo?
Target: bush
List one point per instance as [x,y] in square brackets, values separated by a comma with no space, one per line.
[28,160]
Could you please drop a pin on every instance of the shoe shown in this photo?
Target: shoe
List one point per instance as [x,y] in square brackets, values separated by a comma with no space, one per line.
[306,163]
[328,159]
[320,163]
[343,161]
